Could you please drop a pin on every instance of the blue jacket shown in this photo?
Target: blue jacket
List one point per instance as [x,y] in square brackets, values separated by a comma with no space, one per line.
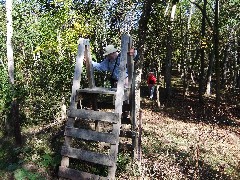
[108,65]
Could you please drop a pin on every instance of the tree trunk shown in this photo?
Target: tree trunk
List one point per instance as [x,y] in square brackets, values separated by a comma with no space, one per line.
[236,66]
[186,65]
[183,69]
[209,73]
[216,53]
[203,33]
[168,59]
[9,41]
[14,105]
[224,65]
[168,64]
[238,61]
[15,119]
[147,7]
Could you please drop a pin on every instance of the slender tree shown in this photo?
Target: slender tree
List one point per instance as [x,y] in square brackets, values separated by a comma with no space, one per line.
[169,47]
[216,52]
[14,104]
[202,52]
[9,41]
[142,34]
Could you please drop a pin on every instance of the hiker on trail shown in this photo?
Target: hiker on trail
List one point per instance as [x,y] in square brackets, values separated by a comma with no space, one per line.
[111,64]
[151,81]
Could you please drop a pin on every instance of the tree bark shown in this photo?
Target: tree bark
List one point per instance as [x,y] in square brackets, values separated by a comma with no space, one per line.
[186,65]
[14,105]
[16,120]
[209,73]
[142,33]
[224,65]
[168,64]
[9,41]
[168,59]
[236,63]
[216,53]
[202,59]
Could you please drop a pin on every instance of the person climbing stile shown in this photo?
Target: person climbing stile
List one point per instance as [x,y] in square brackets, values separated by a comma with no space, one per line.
[151,81]
[111,64]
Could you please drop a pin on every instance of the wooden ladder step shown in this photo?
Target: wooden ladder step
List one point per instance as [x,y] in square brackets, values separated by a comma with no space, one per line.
[77,175]
[89,156]
[102,90]
[98,90]
[94,115]
[90,135]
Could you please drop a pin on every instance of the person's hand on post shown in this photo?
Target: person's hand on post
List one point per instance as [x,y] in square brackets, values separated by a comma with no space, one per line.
[131,51]
[84,59]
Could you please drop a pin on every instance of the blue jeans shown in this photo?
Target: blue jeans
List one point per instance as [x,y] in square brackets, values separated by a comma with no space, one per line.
[151,88]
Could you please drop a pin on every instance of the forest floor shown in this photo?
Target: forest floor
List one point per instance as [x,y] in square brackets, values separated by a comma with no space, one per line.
[181,139]
[185,140]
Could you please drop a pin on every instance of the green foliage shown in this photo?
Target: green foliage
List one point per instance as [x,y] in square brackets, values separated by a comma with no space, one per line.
[9,161]
[123,161]
[45,45]
[5,96]
[47,160]
[5,92]
[36,154]
[22,174]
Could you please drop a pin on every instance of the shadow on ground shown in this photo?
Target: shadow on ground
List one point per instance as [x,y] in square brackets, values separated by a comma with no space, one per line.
[189,109]
[185,162]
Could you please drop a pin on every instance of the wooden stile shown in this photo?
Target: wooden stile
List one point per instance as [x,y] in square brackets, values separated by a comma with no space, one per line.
[113,119]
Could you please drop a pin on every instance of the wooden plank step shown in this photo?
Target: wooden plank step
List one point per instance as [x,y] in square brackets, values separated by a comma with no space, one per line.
[90,135]
[77,175]
[89,156]
[98,90]
[102,90]
[94,115]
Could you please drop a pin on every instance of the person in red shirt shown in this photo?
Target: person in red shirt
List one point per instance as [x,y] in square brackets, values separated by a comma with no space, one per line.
[151,81]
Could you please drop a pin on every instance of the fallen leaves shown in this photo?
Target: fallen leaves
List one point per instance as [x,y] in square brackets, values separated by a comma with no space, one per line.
[172,148]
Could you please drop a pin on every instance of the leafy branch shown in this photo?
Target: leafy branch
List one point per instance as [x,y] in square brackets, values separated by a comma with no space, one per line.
[201,9]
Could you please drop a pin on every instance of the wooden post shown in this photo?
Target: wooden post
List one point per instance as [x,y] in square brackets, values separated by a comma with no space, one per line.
[158,95]
[133,114]
[63,110]
[130,64]
[78,71]
[139,150]
[89,64]
[75,87]
[91,81]
[119,102]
